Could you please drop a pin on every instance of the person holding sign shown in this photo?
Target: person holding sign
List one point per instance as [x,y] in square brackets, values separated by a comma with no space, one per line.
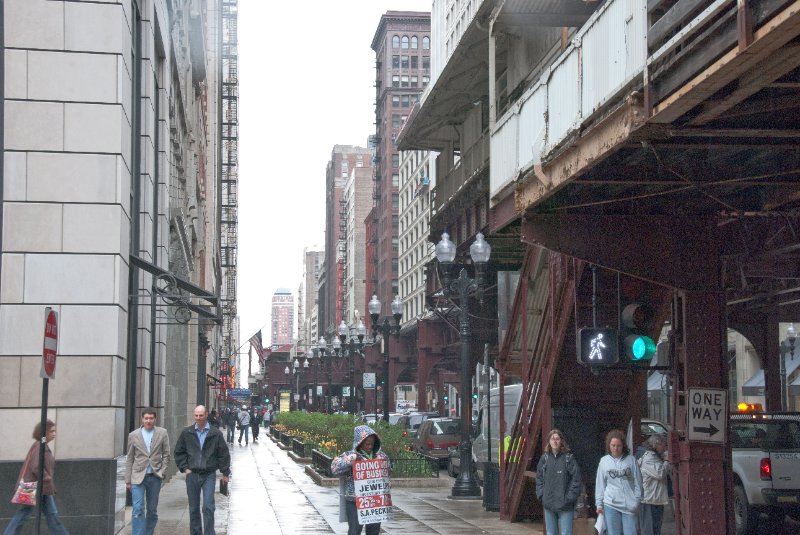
[368,465]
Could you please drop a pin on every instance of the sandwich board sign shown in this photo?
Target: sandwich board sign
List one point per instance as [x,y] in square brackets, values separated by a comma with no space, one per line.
[373,490]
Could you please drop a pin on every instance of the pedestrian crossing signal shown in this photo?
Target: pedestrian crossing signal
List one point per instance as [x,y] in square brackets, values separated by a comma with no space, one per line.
[598,347]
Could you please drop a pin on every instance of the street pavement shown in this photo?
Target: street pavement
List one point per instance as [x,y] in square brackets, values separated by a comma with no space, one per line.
[270,493]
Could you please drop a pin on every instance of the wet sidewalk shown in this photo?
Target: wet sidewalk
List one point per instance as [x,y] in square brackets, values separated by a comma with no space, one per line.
[270,493]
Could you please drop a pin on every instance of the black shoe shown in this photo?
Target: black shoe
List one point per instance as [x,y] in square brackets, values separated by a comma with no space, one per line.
[240,442]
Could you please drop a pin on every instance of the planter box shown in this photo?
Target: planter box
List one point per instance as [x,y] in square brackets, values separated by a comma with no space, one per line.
[286,439]
[321,463]
[302,449]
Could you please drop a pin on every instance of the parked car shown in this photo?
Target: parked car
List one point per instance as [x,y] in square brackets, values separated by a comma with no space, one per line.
[435,436]
[653,427]
[371,418]
[415,419]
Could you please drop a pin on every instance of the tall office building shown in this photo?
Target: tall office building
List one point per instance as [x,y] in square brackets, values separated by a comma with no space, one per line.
[110,214]
[307,296]
[282,317]
[402,48]
[344,158]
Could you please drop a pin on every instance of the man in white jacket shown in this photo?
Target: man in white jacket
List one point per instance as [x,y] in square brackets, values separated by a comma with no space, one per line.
[244,425]
[655,474]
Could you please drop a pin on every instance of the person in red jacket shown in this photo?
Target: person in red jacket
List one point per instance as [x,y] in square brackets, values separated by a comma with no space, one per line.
[47,495]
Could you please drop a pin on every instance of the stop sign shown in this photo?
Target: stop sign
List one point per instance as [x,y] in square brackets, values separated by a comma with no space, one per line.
[50,346]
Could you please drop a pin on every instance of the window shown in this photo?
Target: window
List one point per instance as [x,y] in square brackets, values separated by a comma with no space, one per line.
[395,120]
[396,42]
[395,81]
[425,81]
[426,43]
[395,180]
[395,201]
[404,81]
[395,163]
[404,62]
[396,101]
[413,81]
[404,42]
[395,62]
[426,62]
[413,41]
[344,169]
[404,100]
[415,62]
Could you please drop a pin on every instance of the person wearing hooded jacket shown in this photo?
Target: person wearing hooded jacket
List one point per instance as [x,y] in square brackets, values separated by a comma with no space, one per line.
[366,445]
[558,484]
[618,487]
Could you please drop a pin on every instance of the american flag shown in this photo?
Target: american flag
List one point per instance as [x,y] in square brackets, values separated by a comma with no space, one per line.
[255,343]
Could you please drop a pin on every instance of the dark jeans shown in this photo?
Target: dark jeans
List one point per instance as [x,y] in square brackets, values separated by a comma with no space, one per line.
[231,428]
[353,527]
[651,517]
[50,514]
[244,430]
[194,484]
[146,491]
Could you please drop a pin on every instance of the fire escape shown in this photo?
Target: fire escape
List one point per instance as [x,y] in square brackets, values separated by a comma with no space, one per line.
[230,174]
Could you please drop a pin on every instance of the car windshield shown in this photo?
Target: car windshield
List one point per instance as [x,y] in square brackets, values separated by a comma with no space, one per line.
[446,427]
[651,428]
[393,418]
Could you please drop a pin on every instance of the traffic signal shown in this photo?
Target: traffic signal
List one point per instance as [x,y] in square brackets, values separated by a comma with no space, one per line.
[474,396]
[444,397]
[636,319]
[598,346]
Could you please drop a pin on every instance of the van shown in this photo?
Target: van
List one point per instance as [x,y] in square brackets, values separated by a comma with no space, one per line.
[489,424]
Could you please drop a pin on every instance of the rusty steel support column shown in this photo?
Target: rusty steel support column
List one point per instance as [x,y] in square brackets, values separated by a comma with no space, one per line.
[702,470]
[770,363]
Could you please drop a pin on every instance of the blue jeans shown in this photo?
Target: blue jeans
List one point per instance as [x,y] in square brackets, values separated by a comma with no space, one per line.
[245,430]
[651,517]
[561,519]
[231,429]
[149,488]
[50,513]
[619,523]
[195,483]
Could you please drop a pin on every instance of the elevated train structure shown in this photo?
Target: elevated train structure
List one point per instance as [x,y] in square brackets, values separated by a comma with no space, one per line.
[621,151]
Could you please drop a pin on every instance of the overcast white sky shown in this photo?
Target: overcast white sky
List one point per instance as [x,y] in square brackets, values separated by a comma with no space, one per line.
[306,74]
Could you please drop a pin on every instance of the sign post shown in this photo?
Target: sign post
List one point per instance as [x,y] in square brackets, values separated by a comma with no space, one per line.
[47,372]
[373,490]
[708,415]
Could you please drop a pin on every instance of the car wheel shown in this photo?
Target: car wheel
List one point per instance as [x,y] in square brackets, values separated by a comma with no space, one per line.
[746,517]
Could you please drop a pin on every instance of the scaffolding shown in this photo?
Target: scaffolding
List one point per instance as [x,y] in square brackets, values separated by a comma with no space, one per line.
[230,174]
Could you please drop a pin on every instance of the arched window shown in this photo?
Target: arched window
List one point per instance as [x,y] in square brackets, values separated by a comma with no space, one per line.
[413,41]
[395,42]
[426,43]
[404,42]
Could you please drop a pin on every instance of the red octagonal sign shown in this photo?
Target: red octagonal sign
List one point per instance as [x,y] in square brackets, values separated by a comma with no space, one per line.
[50,348]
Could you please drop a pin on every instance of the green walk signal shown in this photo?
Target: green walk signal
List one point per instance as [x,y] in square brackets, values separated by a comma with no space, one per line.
[640,347]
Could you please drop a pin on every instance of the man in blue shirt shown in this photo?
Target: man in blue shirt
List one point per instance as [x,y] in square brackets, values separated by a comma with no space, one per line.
[199,453]
[148,457]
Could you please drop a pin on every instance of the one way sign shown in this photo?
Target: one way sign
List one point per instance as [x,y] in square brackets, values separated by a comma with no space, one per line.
[708,414]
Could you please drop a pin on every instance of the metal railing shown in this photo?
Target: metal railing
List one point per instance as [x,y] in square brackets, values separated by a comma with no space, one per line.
[421,466]
[302,449]
[285,439]
[321,463]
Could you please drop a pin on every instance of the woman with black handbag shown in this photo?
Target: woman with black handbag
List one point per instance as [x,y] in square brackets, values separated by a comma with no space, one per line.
[30,473]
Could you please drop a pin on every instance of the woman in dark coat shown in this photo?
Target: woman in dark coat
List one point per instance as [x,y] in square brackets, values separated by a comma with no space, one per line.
[558,484]
[31,473]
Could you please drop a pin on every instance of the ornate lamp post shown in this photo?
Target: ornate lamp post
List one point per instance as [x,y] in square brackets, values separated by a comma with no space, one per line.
[329,352]
[465,486]
[385,328]
[315,365]
[287,372]
[352,346]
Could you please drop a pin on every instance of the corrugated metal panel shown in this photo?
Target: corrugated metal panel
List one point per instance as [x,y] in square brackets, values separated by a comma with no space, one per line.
[532,127]
[614,47]
[503,163]
[564,98]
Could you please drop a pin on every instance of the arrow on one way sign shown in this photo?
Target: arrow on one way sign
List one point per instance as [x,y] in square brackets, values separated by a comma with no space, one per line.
[710,430]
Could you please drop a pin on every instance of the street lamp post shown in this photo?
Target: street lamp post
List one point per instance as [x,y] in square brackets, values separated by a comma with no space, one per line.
[353,345]
[287,372]
[385,328]
[465,486]
[329,351]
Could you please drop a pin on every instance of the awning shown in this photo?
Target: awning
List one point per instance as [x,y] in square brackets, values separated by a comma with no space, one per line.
[755,385]
[657,382]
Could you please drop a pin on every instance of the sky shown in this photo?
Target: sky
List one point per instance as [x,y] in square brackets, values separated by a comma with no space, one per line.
[306,78]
